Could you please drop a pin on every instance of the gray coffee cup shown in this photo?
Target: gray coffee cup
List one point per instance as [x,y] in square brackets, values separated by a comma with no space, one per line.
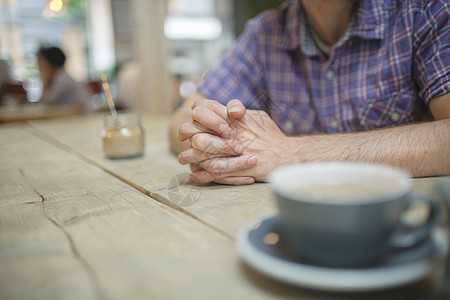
[344,214]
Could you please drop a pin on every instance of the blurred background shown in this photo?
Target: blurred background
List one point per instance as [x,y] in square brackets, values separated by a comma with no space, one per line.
[154,52]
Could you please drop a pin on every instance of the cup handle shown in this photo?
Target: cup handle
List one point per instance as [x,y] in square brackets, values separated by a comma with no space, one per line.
[405,236]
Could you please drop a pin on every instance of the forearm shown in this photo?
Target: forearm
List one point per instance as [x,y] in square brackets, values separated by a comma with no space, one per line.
[422,149]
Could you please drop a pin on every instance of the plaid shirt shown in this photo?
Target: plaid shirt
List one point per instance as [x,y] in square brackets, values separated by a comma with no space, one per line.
[392,61]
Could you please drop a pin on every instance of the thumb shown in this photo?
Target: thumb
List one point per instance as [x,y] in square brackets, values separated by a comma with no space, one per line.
[236,109]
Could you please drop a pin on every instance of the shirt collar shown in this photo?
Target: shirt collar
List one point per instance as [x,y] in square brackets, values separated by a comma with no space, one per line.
[368,22]
[307,44]
[290,39]
[370,19]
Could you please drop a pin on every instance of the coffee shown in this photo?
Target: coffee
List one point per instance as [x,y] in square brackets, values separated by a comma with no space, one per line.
[346,191]
[345,214]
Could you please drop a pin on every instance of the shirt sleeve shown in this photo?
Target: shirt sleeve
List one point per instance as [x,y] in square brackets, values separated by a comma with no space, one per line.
[431,68]
[239,76]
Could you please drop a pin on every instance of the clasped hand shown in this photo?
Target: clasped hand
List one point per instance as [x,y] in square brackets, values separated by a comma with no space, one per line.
[231,145]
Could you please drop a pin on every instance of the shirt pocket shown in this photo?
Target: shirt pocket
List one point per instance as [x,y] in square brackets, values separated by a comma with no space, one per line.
[395,108]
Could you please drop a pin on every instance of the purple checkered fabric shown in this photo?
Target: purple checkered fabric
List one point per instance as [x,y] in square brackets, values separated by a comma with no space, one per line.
[392,61]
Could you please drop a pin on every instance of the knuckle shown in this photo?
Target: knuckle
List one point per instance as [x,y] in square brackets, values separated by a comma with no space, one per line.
[182,129]
[214,147]
[208,166]
[216,176]
[196,112]
[229,147]
[197,102]
[213,167]
[195,178]
[216,123]
[197,141]
[239,164]
[212,104]
[206,176]
[184,158]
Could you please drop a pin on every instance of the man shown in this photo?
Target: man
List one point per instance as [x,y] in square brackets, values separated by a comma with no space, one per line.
[58,88]
[341,80]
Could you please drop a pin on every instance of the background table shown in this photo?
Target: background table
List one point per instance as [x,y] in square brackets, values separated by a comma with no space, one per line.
[33,111]
[75,225]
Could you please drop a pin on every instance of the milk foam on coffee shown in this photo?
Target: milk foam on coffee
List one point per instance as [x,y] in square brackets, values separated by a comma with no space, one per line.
[345,191]
[335,183]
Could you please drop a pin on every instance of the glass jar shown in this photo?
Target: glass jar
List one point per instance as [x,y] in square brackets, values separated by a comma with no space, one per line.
[123,135]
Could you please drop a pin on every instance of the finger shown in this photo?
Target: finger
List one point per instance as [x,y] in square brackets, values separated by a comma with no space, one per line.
[195,156]
[201,177]
[229,164]
[236,109]
[235,180]
[215,106]
[210,119]
[195,167]
[188,129]
[209,143]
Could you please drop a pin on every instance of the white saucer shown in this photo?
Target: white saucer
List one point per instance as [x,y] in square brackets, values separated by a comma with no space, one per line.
[254,245]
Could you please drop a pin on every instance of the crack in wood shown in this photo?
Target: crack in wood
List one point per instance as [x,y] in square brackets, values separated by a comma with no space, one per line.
[42,199]
[89,269]
[84,263]
[48,138]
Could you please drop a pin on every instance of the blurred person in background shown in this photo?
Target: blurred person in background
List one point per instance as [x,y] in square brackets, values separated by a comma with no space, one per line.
[58,88]
[127,85]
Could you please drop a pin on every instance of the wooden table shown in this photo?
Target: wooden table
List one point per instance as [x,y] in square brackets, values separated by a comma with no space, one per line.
[33,111]
[75,225]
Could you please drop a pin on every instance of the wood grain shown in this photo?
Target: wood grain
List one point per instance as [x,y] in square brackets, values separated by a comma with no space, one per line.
[157,171]
[70,230]
[75,225]
[224,207]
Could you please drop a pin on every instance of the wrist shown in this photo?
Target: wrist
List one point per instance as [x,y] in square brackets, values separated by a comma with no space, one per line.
[295,149]
[305,149]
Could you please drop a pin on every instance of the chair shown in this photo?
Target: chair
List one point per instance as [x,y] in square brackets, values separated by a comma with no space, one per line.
[16,91]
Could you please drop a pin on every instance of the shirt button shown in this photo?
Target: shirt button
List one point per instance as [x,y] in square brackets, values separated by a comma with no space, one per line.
[288,126]
[334,123]
[329,74]
[395,117]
